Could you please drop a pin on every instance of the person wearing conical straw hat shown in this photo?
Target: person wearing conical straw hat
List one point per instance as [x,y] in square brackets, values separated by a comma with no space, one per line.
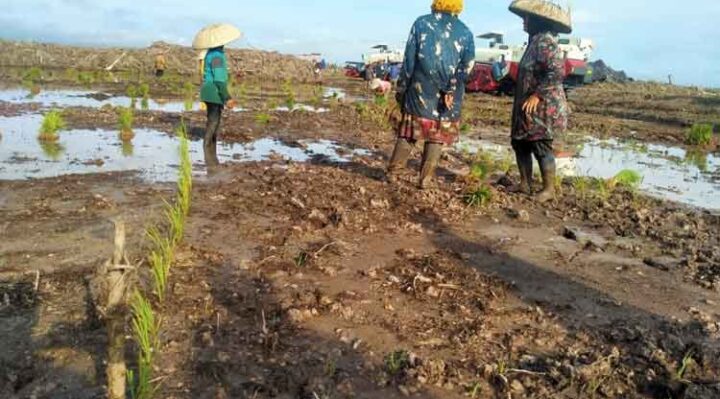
[439,56]
[214,91]
[540,109]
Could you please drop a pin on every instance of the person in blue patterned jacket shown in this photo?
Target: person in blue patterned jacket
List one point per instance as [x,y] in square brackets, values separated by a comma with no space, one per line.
[439,56]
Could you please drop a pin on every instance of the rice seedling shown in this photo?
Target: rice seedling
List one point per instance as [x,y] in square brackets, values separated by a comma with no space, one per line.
[465,128]
[381,100]
[581,186]
[70,75]
[479,196]
[144,92]
[125,123]
[132,92]
[479,171]
[687,361]
[85,78]
[700,134]
[262,119]
[145,331]
[144,104]
[188,91]
[302,259]
[51,124]
[626,178]
[31,77]
[603,189]
[176,218]
[396,362]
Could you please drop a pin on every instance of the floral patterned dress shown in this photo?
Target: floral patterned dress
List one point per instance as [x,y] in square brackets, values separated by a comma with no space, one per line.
[541,72]
[439,56]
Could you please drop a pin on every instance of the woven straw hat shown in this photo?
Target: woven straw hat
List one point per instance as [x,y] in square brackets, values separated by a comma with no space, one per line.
[558,17]
[216,35]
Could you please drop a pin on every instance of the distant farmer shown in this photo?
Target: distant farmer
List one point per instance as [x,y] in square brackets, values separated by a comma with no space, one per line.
[438,59]
[214,92]
[540,111]
[160,65]
[394,72]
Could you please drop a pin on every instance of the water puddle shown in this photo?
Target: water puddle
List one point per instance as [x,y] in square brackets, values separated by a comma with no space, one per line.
[668,172]
[92,99]
[151,153]
[301,107]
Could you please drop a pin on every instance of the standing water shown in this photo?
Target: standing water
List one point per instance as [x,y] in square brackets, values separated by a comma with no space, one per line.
[153,154]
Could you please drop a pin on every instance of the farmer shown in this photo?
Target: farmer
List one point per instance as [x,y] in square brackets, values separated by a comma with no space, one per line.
[540,111]
[160,65]
[214,91]
[438,59]
[380,87]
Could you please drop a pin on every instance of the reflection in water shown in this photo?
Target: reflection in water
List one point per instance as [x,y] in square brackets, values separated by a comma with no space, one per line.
[697,158]
[52,149]
[128,148]
[145,104]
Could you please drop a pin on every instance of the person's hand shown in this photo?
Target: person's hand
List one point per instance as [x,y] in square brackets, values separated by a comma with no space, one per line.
[449,99]
[531,104]
[231,103]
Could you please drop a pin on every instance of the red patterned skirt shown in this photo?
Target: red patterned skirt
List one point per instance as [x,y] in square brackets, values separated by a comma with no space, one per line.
[415,128]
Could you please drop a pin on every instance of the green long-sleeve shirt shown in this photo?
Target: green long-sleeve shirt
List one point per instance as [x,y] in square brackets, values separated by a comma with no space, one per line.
[214,89]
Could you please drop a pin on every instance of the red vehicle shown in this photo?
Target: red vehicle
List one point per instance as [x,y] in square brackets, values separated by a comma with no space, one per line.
[354,69]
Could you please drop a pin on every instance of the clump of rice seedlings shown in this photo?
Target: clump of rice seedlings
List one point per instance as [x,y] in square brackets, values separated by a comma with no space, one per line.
[687,361]
[479,171]
[144,92]
[145,331]
[176,217]
[479,196]
[132,92]
[627,178]
[31,77]
[397,362]
[603,189]
[381,100]
[189,95]
[263,119]
[51,124]
[125,123]
[700,134]
[85,78]
[289,93]
[581,186]
[465,128]
[160,260]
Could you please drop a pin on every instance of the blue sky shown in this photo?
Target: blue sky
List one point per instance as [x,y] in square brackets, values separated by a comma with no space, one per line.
[648,38]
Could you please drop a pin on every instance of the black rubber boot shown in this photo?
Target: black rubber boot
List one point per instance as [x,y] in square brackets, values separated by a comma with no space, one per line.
[430,159]
[548,171]
[525,166]
[399,159]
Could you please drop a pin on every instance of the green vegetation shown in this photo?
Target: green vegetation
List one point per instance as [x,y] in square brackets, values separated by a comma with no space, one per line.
[125,123]
[30,79]
[85,78]
[465,128]
[145,330]
[160,259]
[263,119]
[128,149]
[582,186]
[687,361]
[397,362]
[289,93]
[479,196]
[189,96]
[51,124]
[302,259]
[381,100]
[700,134]
[144,92]
[479,171]
[52,149]
[697,158]
[627,178]
[132,92]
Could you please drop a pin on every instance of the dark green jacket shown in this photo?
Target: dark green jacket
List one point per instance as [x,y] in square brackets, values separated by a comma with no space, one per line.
[215,78]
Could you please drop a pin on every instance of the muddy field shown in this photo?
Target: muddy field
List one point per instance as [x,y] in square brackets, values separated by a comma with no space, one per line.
[304,274]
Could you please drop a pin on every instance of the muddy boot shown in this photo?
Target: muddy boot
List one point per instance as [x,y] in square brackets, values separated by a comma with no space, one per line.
[431,157]
[524,162]
[547,168]
[399,159]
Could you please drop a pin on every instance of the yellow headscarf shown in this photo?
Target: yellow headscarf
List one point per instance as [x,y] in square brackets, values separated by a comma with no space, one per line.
[454,7]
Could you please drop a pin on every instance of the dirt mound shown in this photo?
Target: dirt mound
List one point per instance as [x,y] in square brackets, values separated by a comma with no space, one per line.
[604,73]
[268,65]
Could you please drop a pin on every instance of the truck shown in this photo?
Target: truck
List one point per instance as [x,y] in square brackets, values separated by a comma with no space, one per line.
[496,65]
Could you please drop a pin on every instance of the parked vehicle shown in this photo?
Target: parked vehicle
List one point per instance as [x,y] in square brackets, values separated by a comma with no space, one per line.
[496,66]
[354,69]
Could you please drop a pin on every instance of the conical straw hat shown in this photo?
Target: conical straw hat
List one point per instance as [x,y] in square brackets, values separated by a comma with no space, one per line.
[216,35]
[558,17]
